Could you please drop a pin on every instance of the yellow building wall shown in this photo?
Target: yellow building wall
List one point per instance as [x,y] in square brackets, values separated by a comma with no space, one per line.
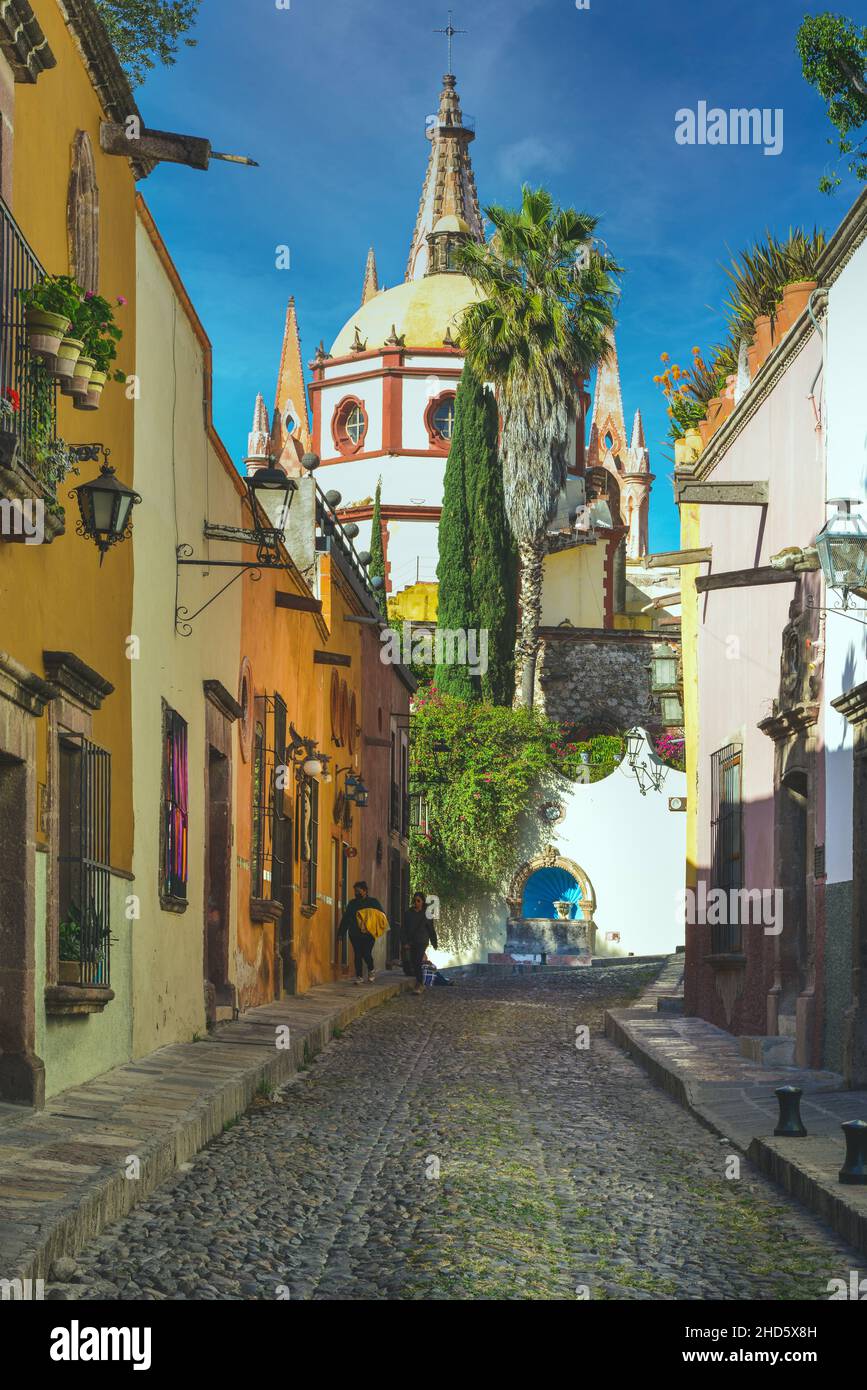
[56,597]
[184,482]
[415,604]
[573,587]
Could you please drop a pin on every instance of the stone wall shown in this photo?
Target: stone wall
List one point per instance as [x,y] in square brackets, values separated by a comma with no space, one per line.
[601,679]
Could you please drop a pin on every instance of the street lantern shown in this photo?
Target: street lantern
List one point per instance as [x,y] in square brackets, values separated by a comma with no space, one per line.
[842,549]
[106,506]
[634,745]
[362,795]
[273,490]
[648,773]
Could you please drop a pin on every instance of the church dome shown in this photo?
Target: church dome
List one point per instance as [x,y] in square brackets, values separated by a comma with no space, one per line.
[452,223]
[421,311]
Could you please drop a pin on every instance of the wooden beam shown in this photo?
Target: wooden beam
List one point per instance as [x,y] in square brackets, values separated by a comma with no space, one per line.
[162,145]
[722,494]
[677,557]
[321,658]
[300,602]
[745,579]
[664,600]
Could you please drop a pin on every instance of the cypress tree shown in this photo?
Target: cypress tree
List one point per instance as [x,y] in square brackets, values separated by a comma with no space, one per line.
[455,597]
[377,556]
[493,555]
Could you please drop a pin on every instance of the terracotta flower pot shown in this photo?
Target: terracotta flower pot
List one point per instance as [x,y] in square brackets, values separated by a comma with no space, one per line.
[66,361]
[91,399]
[796,297]
[45,332]
[764,337]
[77,385]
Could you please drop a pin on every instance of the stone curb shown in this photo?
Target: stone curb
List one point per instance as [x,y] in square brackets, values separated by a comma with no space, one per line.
[802,1173]
[110,1195]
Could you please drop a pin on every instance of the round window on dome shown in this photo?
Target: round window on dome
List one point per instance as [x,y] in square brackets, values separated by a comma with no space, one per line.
[349,426]
[443,418]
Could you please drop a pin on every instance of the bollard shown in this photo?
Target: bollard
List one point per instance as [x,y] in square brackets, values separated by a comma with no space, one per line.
[790,1123]
[854,1170]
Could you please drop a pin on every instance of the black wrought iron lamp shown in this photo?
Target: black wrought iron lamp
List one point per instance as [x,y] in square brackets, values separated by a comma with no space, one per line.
[105,503]
[649,773]
[842,549]
[305,756]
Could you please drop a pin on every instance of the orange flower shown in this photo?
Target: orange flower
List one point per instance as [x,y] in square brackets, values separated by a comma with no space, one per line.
[663,357]
[675,372]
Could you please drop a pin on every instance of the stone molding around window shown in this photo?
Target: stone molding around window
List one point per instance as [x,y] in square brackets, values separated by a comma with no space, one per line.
[82,214]
[68,674]
[343,442]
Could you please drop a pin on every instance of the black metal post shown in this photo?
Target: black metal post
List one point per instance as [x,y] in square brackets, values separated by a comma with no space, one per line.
[790,1123]
[854,1170]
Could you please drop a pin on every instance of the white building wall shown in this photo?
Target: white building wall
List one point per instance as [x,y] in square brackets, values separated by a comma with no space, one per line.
[369,392]
[622,840]
[845,646]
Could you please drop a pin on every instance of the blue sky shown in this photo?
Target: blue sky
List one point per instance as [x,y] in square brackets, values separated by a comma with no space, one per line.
[331,97]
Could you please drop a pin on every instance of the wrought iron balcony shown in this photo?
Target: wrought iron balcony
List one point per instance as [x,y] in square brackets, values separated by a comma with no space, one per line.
[28,392]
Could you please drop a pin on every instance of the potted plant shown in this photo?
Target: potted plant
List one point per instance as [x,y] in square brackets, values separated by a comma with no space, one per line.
[70,947]
[49,307]
[101,336]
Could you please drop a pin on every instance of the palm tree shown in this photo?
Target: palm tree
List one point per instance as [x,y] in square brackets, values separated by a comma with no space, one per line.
[542,325]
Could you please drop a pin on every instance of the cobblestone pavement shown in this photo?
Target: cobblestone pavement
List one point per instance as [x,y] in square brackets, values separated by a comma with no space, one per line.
[559,1167]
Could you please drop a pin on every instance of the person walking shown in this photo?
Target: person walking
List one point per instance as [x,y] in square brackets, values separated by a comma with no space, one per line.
[364,920]
[418,933]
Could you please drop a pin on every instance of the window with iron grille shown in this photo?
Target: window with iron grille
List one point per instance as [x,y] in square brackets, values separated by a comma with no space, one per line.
[84,858]
[727,840]
[308,832]
[270,844]
[175,807]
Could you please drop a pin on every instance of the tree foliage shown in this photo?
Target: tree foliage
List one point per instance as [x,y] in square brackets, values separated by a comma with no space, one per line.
[376,568]
[455,606]
[833,52]
[147,32]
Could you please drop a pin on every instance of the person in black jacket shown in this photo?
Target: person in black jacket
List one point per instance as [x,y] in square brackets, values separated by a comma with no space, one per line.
[362,941]
[418,934]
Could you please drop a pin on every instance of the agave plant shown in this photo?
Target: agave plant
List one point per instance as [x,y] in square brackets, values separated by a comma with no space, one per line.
[760,274]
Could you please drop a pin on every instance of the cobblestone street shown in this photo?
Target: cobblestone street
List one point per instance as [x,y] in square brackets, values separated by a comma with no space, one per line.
[559,1167]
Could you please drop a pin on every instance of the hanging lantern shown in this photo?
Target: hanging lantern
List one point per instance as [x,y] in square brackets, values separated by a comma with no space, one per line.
[106,506]
[842,549]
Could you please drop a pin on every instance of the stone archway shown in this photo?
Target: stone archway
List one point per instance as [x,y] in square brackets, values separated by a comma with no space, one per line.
[550,858]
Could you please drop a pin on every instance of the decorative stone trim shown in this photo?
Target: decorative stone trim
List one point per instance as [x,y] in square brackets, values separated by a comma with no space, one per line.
[265,910]
[549,858]
[844,243]
[222,701]
[853,704]
[68,673]
[788,723]
[22,687]
[169,902]
[24,45]
[77,999]
[17,485]
[108,77]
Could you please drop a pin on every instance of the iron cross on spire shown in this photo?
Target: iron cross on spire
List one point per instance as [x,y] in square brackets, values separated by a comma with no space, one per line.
[450,32]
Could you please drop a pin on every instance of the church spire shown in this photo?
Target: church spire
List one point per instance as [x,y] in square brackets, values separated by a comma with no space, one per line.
[259,438]
[608,430]
[450,185]
[290,425]
[371,279]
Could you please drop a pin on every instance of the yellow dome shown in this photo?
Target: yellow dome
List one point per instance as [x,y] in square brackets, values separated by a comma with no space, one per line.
[421,311]
[451,223]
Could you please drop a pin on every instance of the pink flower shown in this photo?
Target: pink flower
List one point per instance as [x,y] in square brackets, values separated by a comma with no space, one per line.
[121,299]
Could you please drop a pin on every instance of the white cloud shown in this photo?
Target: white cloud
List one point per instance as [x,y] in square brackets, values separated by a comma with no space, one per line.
[530,156]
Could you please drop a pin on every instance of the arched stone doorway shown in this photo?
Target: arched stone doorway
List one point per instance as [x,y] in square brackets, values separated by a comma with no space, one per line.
[535,925]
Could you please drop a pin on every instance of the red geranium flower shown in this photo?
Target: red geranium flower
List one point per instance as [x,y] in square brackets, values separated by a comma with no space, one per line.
[13,398]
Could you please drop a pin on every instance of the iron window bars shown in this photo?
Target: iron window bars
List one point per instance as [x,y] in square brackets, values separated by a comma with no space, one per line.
[175,806]
[84,858]
[270,858]
[727,840]
[36,419]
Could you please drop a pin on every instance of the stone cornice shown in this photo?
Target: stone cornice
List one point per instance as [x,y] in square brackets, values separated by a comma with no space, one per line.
[23,687]
[109,80]
[220,698]
[853,704]
[604,634]
[763,384]
[22,41]
[839,251]
[789,722]
[68,674]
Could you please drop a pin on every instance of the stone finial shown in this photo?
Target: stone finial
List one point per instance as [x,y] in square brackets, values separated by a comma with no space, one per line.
[395,339]
[258,440]
[448,340]
[321,355]
[450,184]
[371,280]
[357,344]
